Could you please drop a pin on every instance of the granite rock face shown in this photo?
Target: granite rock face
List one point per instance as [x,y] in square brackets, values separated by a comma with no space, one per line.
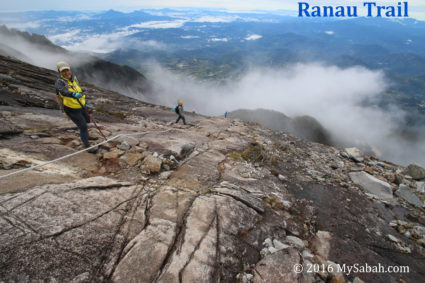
[219,200]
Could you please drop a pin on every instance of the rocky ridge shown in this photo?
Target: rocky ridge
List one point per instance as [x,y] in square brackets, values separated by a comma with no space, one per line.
[219,200]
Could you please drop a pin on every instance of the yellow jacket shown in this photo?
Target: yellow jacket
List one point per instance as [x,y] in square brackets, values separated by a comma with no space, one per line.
[65,87]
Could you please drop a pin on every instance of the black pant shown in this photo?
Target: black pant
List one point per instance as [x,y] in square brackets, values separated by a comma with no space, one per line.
[80,118]
[181,117]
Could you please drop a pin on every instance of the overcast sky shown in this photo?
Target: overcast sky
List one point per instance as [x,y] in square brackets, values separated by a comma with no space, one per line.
[416,7]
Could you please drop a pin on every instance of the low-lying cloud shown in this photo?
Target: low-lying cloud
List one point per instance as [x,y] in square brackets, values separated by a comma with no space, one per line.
[78,41]
[38,54]
[216,19]
[160,24]
[253,37]
[342,100]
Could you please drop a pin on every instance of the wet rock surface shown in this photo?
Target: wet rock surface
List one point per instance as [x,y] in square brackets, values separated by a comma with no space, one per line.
[219,200]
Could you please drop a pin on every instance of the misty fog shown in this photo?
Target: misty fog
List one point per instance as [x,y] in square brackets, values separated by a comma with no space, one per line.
[342,100]
[38,54]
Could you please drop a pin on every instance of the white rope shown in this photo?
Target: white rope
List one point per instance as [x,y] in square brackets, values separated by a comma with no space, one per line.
[73,154]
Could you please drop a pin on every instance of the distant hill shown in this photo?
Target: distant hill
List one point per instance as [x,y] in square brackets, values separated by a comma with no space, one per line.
[305,127]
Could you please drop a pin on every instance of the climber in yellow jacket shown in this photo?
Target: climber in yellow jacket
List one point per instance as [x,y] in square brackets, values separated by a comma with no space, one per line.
[73,100]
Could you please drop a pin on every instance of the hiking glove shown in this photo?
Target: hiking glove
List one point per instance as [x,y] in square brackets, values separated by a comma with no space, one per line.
[77,95]
[87,108]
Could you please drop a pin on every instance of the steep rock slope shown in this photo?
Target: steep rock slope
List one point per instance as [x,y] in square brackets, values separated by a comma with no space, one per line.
[218,200]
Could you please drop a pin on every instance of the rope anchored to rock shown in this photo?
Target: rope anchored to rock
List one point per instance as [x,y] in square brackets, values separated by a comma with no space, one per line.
[74,154]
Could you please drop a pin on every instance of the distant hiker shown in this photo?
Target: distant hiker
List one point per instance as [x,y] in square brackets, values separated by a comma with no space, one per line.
[72,101]
[225,114]
[179,110]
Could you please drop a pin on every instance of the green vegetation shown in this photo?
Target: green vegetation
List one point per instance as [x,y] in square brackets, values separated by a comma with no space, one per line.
[273,202]
[254,153]
[119,115]
[235,155]
[207,191]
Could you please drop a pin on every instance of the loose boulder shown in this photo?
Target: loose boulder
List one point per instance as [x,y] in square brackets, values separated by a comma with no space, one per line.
[321,243]
[420,187]
[372,185]
[151,164]
[355,154]
[404,193]
[415,171]
[133,158]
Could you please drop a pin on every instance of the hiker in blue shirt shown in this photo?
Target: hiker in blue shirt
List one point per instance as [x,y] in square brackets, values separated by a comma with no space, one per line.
[179,110]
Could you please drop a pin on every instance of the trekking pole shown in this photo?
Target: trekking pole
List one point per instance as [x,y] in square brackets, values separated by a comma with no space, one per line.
[91,119]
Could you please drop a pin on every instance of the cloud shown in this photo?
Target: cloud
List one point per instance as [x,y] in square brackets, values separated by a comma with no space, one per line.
[342,100]
[39,54]
[80,17]
[216,19]
[253,37]
[330,32]
[102,43]
[98,43]
[189,36]
[23,26]
[160,24]
[65,38]
[215,39]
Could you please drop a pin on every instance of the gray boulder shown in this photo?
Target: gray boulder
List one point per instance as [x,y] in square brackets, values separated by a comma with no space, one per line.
[372,185]
[124,146]
[321,244]
[295,241]
[355,154]
[186,150]
[404,193]
[415,171]
[132,141]
[420,187]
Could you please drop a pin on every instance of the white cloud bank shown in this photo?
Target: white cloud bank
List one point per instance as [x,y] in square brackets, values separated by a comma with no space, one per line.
[340,99]
[160,24]
[216,19]
[102,43]
[253,37]
[189,36]
[216,39]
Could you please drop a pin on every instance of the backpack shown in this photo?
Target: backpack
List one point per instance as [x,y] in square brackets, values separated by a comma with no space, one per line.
[176,109]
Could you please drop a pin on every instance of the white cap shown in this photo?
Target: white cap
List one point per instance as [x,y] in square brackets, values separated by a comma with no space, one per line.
[62,65]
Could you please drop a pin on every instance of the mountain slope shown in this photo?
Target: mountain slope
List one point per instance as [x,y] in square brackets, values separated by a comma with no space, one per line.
[305,127]
[38,50]
[216,200]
